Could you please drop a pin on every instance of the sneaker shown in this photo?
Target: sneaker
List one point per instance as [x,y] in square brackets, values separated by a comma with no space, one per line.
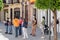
[10,33]
[42,37]
[30,34]
[6,32]
[16,36]
[20,34]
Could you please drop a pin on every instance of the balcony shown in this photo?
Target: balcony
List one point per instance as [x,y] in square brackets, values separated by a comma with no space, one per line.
[16,1]
[4,1]
[10,1]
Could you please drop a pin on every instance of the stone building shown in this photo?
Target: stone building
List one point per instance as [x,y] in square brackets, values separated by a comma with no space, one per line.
[14,8]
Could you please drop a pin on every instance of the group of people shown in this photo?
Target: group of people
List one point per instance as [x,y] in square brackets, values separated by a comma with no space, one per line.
[8,26]
[45,28]
[20,26]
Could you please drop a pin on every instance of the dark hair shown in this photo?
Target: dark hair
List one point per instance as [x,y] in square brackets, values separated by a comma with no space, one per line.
[43,17]
[35,18]
[53,17]
[16,16]
[7,18]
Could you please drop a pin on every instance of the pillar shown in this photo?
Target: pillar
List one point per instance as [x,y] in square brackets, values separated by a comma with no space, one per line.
[13,13]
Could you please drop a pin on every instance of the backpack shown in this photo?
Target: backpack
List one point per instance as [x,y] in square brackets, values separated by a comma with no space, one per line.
[57,22]
[36,22]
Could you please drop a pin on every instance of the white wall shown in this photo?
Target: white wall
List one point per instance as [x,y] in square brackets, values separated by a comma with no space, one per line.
[40,13]
[58,14]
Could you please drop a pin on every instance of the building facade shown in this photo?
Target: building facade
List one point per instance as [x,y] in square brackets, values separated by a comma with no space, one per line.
[11,9]
[14,8]
[39,13]
[21,8]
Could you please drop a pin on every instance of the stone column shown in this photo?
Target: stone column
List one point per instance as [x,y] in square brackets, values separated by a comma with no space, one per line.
[21,10]
[2,16]
[13,13]
[8,14]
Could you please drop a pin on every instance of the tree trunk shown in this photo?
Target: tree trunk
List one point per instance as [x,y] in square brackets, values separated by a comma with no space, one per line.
[55,26]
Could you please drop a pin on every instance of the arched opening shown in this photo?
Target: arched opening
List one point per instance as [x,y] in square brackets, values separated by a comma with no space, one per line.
[17,12]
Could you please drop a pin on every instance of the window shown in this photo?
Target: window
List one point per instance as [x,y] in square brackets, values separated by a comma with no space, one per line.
[4,1]
[15,1]
[18,1]
[10,1]
[17,12]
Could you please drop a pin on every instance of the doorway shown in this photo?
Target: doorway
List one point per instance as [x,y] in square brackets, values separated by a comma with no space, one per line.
[17,12]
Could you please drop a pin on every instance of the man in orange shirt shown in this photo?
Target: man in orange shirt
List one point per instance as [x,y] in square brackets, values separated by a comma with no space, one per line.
[16,25]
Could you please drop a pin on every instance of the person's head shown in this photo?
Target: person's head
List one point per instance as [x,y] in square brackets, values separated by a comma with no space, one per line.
[53,17]
[43,17]
[7,18]
[16,17]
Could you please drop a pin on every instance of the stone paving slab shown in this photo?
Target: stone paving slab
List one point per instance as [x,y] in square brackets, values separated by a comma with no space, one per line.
[37,37]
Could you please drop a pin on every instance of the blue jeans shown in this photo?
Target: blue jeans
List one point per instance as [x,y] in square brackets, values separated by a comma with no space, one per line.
[6,28]
[20,30]
[16,31]
[10,29]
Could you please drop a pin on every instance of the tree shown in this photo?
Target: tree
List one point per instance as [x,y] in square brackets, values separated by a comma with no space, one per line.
[1,4]
[52,5]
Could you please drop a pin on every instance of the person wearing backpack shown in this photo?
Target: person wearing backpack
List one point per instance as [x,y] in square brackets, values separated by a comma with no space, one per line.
[57,22]
[42,26]
[34,25]
[52,26]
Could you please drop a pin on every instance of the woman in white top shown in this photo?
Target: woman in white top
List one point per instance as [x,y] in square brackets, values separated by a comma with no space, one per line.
[24,29]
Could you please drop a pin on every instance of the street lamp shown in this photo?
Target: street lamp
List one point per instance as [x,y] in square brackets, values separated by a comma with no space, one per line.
[49,22]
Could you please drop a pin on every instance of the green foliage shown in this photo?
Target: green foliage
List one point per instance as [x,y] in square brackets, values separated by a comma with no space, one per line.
[46,4]
[1,4]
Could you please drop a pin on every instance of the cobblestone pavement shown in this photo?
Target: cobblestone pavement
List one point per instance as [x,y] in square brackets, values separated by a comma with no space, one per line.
[12,37]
